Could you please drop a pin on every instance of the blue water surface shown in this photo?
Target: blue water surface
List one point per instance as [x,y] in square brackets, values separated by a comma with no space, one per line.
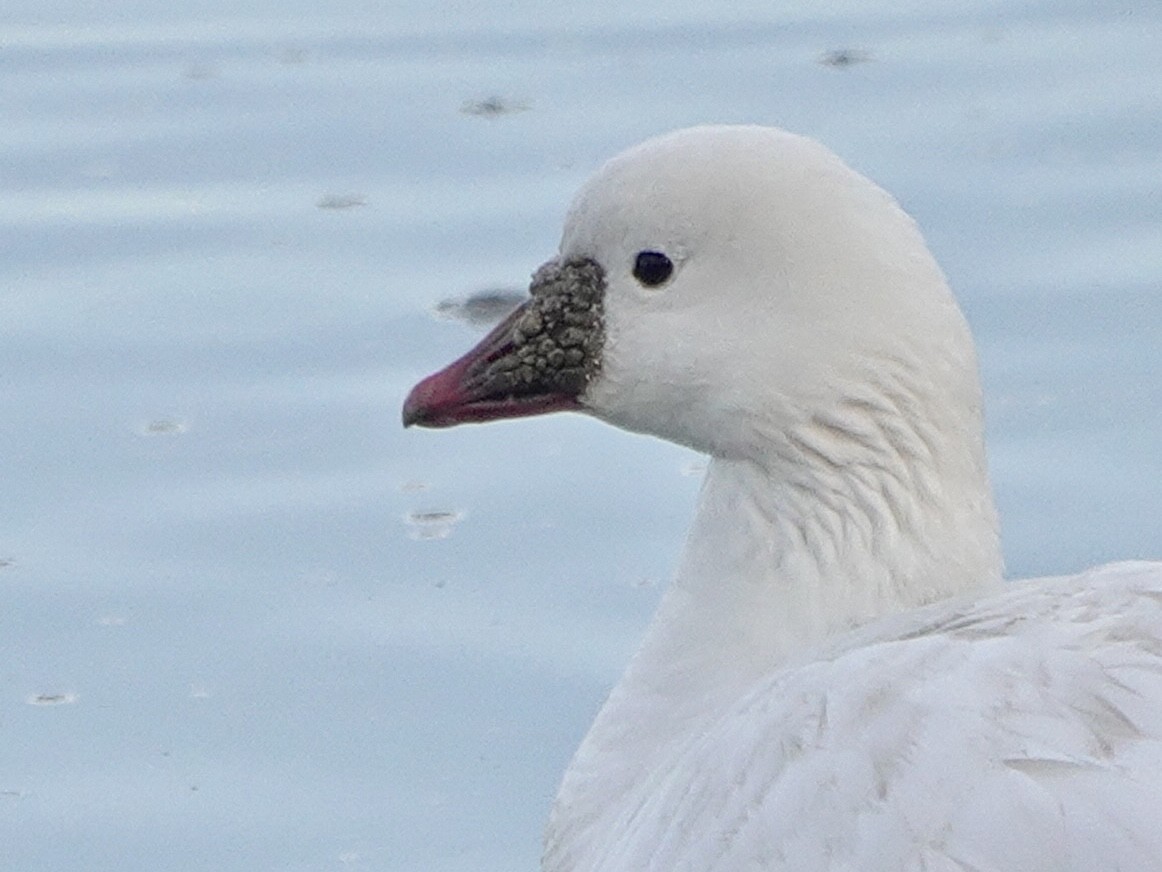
[248,622]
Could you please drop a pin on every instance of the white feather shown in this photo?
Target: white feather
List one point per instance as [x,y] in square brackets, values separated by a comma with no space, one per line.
[837,678]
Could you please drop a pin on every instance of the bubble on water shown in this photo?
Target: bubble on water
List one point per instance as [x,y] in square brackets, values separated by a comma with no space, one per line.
[841,58]
[165,427]
[52,699]
[481,308]
[336,202]
[494,106]
[427,525]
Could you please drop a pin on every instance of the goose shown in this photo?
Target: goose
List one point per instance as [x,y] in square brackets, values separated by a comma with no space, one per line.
[837,677]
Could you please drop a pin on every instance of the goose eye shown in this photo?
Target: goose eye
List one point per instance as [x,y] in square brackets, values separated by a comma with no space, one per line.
[652,268]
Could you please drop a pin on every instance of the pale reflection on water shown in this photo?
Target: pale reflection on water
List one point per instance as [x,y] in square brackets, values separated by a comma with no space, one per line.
[250,623]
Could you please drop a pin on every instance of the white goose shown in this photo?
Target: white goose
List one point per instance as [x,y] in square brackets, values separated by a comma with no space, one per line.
[837,678]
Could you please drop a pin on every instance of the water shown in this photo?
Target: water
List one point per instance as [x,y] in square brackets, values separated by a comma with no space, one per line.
[248,622]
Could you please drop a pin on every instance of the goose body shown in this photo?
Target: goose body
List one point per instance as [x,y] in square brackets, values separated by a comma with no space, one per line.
[837,678]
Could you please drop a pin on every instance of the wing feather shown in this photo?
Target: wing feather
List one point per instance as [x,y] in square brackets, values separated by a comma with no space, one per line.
[1019,734]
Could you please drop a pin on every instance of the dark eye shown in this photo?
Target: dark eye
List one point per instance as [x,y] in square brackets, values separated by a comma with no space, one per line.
[652,268]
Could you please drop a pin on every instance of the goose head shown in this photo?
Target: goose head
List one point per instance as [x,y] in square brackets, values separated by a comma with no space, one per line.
[725,288]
